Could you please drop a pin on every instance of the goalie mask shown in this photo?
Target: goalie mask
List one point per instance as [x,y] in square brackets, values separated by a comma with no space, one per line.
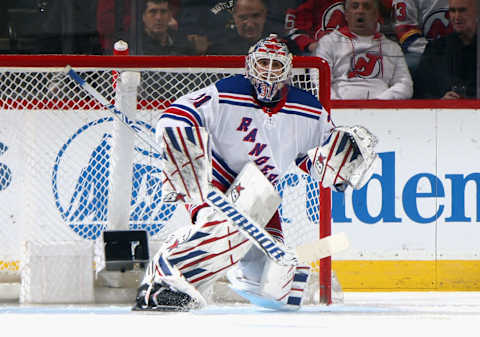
[269,67]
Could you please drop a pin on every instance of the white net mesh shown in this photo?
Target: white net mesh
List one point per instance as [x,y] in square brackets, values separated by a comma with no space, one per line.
[56,160]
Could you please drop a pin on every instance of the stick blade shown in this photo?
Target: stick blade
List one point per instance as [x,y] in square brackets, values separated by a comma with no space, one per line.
[316,250]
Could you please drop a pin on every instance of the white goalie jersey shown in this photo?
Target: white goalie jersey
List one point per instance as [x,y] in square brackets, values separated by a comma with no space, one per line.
[241,132]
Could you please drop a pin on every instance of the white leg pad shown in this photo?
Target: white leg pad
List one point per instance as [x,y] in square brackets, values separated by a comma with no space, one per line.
[269,284]
[161,271]
[198,254]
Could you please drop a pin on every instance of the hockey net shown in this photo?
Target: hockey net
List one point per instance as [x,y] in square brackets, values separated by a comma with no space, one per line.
[66,176]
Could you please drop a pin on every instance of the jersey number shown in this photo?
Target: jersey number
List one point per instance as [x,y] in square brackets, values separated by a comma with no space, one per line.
[200,100]
[400,11]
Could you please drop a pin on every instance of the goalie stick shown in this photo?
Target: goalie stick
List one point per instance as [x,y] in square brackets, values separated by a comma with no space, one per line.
[249,204]
[192,194]
[116,113]
[306,253]
[277,251]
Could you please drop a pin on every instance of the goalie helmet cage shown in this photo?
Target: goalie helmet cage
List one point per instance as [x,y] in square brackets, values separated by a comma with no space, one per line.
[59,164]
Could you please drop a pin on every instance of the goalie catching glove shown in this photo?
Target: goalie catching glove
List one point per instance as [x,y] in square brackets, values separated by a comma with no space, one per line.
[346,158]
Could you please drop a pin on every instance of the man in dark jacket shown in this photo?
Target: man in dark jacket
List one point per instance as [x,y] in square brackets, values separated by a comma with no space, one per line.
[249,17]
[448,66]
[158,38]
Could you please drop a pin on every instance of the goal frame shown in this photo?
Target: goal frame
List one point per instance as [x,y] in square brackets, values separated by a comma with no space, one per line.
[137,62]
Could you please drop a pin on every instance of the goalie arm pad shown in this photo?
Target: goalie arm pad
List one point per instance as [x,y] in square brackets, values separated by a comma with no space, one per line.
[186,164]
[346,158]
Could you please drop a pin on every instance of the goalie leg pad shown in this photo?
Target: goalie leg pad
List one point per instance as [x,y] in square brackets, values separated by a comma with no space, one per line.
[299,283]
[195,256]
[208,253]
[268,284]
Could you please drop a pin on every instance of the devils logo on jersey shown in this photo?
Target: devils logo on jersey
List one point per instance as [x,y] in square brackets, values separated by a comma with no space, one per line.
[368,65]
[437,24]
[333,17]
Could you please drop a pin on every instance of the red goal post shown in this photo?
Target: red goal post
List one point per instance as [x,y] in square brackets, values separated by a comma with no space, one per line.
[45,121]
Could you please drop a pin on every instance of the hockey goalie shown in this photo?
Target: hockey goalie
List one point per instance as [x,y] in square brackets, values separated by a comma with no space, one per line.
[225,146]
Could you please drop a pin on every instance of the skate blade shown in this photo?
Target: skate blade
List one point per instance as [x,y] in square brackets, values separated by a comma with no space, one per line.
[161,308]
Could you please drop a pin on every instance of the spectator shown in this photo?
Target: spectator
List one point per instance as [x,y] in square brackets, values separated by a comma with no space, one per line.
[448,66]
[418,21]
[309,21]
[204,21]
[157,37]
[208,23]
[249,18]
[364,63]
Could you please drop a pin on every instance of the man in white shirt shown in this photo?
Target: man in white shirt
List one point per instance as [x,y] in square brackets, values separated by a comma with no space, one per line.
[364,63]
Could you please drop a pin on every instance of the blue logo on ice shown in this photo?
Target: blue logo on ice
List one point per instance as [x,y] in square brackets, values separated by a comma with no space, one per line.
[84,206]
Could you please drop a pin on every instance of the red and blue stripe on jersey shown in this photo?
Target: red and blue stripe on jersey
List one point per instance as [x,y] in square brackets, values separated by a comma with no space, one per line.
[237,90]
[181,112]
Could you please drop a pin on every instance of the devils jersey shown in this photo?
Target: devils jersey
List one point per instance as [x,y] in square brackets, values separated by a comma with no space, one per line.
[312,19]
[418,21]
[241,130]
[365,67]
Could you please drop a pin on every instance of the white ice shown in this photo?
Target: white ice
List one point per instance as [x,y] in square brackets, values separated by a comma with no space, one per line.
[362,314]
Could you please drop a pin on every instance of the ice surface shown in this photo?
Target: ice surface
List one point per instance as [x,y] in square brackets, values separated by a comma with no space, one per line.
[362,314]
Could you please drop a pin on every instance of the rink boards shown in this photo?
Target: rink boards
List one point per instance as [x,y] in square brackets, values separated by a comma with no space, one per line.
[416,224]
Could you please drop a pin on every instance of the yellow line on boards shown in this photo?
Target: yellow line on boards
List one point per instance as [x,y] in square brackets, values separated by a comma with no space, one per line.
[388,275]
[408,275]
[9,266]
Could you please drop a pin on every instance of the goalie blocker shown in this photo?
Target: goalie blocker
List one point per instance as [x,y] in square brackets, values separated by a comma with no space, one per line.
[187,166]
